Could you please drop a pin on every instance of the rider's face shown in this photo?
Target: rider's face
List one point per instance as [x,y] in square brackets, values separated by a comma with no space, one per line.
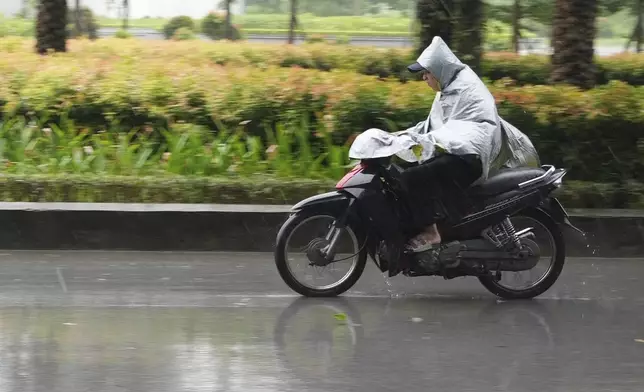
[431,81]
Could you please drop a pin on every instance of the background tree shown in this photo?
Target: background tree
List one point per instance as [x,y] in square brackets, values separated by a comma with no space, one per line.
[573,37]
[123,6]
[516,25]
[434,18]
[77,17]
[25,7]
[460,23]
[126,14]
[293,22]
[229,30]
[81,22]
[51,26]
[638,30]
[468,34]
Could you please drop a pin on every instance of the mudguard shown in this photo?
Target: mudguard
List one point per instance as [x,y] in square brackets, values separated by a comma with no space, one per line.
[553,207]
[337,199]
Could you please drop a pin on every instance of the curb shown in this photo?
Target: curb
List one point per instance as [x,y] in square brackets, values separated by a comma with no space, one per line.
[234,228]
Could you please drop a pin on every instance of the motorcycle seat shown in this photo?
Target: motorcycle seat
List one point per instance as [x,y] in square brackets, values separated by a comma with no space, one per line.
[506,180]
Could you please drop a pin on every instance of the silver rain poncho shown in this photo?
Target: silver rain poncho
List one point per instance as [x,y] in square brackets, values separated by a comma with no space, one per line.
[463,120]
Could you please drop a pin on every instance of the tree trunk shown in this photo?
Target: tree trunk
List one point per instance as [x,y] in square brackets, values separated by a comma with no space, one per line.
[77,19]
[293,23]
[51,26]
[435,19]
[639,27]
[468,40]
[126,14]
[573,36]
[229,33]
[516,25]
[25,8]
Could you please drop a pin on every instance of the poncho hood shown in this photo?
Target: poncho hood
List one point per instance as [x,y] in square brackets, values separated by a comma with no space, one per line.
[438,59]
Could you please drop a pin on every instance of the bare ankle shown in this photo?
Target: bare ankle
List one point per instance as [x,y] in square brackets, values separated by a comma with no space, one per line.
[430,235]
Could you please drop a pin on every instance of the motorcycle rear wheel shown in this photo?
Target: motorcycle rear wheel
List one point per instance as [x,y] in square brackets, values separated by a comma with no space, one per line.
[551,276]
[282,256]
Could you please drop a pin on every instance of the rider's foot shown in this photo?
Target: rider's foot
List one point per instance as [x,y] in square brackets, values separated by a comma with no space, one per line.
[428,243]
[427,240]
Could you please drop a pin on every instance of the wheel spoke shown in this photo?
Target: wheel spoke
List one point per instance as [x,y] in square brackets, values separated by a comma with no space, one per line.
[317,277]
[533,282]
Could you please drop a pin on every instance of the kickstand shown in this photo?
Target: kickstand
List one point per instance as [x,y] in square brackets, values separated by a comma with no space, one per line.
[497,276]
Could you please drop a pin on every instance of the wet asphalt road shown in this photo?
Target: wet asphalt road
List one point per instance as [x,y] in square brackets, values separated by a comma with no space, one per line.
[121,321]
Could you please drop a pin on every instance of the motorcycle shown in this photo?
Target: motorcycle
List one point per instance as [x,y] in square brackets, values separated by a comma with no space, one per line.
[479,237]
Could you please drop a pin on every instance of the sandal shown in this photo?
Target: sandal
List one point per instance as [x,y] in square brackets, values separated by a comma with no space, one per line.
[419,245]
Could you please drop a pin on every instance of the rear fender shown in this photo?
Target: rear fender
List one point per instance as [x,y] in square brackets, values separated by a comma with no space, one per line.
[553,207]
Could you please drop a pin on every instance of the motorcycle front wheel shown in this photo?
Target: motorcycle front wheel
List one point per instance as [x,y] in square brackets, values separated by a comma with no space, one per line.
[299,237]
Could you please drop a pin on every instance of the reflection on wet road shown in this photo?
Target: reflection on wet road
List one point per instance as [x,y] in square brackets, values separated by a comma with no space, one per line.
[99,321]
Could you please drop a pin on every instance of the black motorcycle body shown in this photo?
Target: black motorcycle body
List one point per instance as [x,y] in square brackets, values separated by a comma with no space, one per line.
[478,237]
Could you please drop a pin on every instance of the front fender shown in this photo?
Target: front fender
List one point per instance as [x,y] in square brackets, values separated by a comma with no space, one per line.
[336,198]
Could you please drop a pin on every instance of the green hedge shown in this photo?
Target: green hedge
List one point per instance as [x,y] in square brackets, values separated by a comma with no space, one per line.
[535,69]
[380,62]
[598,135]
[158,189]
[181,189]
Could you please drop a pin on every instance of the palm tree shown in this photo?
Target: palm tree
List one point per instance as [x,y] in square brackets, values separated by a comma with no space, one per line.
[458,22]
[435,19]
[51,26]
[638,32]
[573,37]
[229,32]
[126,13]
[293,23]
[77,18]
[25,8]
[468,38]
[516,25]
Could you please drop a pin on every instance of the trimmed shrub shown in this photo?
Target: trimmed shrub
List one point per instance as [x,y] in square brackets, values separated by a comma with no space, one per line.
[271,191]
[123,34]
[214,27]
[315,39]
[177,23]
[183,34]
[598,135]
[88,24]
[381,62]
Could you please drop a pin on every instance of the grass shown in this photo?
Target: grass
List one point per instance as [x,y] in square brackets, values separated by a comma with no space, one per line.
[276,22]
[262,24]
[611,28]
[29,148]
[191,165]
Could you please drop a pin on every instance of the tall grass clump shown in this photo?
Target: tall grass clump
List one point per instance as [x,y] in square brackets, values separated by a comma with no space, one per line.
[288,151]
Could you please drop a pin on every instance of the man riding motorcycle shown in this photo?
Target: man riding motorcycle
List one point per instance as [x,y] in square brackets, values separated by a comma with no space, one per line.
[464,141]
